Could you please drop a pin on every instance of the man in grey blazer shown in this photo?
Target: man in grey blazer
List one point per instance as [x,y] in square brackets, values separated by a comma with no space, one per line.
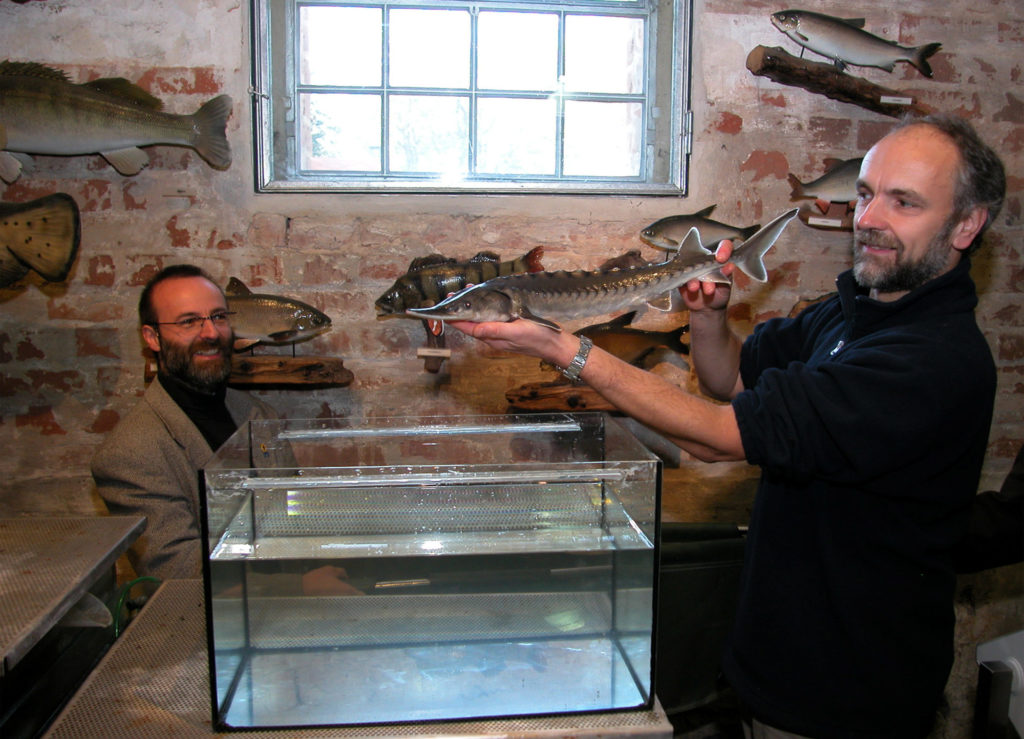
[149,464]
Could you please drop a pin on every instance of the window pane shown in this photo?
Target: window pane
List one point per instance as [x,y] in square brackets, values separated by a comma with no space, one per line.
[602,139]
[340,132]
[516,136]
[517,51]
[340,46]
[429,48]
[604,54]
[429,134]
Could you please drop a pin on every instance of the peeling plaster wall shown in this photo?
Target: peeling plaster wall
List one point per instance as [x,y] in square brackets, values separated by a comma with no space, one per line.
[70,356]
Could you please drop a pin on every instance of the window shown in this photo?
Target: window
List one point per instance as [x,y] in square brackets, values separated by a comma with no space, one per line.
[581,96]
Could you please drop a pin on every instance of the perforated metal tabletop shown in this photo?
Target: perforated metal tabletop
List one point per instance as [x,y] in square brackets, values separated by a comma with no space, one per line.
[154,683]
[46,566]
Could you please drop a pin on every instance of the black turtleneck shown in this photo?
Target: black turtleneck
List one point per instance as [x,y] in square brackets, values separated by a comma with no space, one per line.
[206,410]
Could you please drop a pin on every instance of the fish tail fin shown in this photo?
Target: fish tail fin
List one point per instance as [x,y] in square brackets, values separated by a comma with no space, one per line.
[796,187]
[749,231]
[921,55]
[533,259]
[749,256]
[46,235]
[674,340]
[210,123]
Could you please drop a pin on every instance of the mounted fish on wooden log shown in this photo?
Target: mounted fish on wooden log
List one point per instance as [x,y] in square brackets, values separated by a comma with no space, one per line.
[42,112]
[40,236]
[844,41]
[271,319]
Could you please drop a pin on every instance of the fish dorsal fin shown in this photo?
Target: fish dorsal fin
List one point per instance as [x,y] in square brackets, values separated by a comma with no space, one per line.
[127,161]
[236,287]
[855,22]
[430,260]
[705,212]
[31,69]
[485,256]
[125,90]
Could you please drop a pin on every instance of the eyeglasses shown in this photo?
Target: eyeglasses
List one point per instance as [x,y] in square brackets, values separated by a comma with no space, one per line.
[192,324]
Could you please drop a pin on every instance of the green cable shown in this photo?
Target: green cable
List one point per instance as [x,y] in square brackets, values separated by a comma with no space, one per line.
[124,595]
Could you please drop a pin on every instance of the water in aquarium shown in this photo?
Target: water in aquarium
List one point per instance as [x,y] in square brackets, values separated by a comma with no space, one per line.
[386,596]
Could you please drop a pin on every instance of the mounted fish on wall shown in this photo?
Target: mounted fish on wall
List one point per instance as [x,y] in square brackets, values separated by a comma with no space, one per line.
[832,194]
[432,278]
[667,233]
[42,112]
[844,41]
[39,236]
[271,319]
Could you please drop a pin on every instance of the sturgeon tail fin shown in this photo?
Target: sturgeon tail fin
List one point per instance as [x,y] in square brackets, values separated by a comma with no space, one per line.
[749,256]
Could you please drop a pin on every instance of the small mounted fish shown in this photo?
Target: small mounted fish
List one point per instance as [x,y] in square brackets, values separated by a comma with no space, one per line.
[543,296]
[668,233]
[42,112]
[432,278]
[40,236]
[844,41]
[271,319]
[633,345]
[837,185]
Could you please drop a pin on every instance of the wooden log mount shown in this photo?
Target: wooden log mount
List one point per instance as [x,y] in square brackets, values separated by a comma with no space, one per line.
[555,396]
[823,78]
[251,370]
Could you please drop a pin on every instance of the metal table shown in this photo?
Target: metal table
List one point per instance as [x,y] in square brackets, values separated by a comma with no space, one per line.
[154,683]
[48,566]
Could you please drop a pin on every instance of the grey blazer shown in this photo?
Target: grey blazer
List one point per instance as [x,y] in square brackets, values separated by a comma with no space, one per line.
[149,465]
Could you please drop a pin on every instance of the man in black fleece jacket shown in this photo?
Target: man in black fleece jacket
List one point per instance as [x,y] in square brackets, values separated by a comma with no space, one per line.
[869,415]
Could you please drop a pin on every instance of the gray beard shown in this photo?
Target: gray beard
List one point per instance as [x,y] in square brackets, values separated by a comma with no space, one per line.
[902,276]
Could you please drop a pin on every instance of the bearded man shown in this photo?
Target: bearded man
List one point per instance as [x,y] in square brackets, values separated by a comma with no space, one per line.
[869,416]
[149,464]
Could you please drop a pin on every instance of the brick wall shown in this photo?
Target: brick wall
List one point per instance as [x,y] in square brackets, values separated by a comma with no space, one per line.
[70,356]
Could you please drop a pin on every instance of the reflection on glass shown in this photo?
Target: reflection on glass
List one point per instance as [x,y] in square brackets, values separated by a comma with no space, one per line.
[429,48]
[340,132]
[517,51]
[429,134]
[516,136]
[602,139]
[604,54]
[340,46]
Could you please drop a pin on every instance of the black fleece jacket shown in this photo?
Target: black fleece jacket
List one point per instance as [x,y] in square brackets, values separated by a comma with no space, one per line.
[870,422]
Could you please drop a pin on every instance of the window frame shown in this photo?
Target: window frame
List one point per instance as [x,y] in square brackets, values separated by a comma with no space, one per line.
[275,132]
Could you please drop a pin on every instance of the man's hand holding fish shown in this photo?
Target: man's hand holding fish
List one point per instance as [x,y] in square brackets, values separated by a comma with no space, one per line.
[705,429]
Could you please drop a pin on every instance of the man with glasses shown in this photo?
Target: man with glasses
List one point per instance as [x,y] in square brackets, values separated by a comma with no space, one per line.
[149,464]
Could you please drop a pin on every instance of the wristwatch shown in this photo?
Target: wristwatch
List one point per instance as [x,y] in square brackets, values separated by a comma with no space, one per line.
[578,362]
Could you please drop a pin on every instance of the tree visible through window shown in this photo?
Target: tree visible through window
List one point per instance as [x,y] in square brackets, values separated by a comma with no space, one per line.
[448,95]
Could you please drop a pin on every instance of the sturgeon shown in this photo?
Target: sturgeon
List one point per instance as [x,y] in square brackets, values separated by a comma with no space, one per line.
[543,296]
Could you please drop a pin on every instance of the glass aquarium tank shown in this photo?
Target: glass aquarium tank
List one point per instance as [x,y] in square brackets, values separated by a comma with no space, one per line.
[395,570]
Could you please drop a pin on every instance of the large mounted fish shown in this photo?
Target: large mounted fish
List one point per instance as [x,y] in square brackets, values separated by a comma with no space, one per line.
[432,278]
[271,319]
[837,185]
[42,112]
[40,236]
[669,232]
[542,297]
[844,41]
